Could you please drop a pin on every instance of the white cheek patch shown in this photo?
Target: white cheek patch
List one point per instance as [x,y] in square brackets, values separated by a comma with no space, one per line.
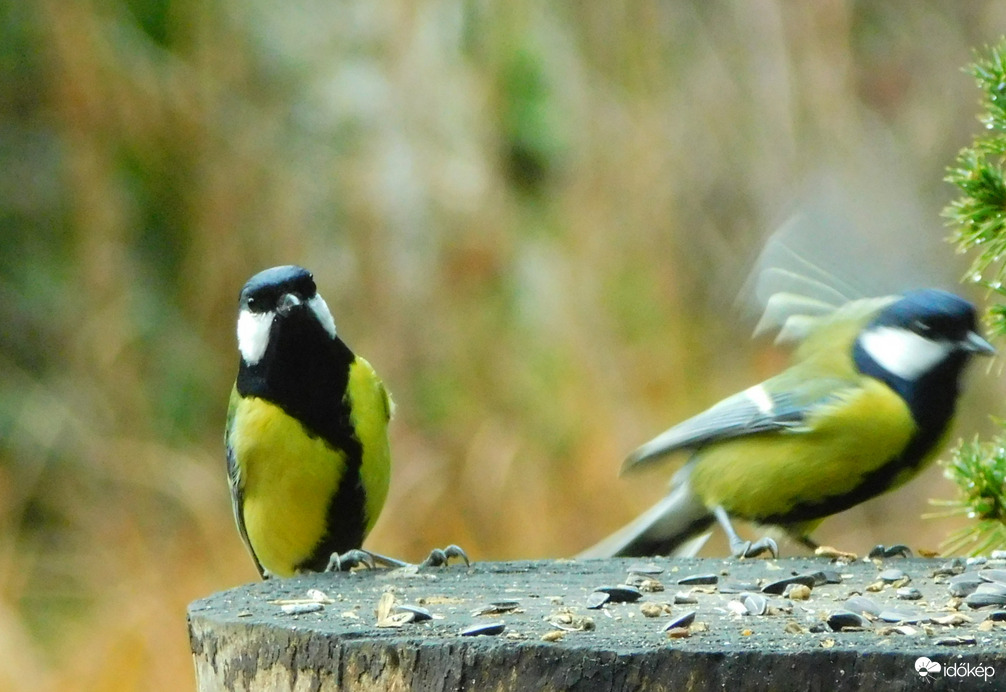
[903,353]
[253,335]
[761,399]
[320,309]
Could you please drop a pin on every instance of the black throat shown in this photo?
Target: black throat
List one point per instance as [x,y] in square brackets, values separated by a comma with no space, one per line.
[305,372]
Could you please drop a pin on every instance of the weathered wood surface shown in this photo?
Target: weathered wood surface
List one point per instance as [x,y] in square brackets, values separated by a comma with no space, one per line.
[243,639]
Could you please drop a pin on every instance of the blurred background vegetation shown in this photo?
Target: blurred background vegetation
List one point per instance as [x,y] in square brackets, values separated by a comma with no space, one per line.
[531,217]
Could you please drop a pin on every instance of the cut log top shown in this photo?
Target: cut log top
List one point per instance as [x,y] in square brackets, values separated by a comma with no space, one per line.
[656,624]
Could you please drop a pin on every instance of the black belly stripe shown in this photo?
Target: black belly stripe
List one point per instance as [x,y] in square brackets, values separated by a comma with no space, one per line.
[346,516]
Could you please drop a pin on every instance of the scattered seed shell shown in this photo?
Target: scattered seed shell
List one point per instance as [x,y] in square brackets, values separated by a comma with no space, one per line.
[949,568]
[486,629]
[901,617]
[992,588]
[653,610]
[835,553]
[908,593]
[681,621]
[684,597]
[984,600]
[779,587]
[993,575]
[736,587]
[597,599]
[892,575]
[497,608]
[794,627]
[963,640]
[826,576]
[699,579]
[756,604]
[301,608]
[797,592]
[737,608]
[951,620]
[845,619]
[553,636]
[650,569]
[862,604]
[623,593]
[964,584]
[420,614]
[644,583]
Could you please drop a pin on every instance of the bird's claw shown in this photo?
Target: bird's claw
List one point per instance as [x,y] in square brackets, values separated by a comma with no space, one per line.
[439,557]
[749,549]
[350,559]
[898,550]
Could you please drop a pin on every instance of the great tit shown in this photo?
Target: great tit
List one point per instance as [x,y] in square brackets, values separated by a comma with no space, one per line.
[308,458]
[865,405]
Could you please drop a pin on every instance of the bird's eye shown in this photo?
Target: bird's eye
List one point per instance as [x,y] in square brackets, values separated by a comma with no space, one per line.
[921,327]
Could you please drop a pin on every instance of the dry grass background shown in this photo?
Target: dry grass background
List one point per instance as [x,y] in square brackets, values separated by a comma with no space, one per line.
[528,216]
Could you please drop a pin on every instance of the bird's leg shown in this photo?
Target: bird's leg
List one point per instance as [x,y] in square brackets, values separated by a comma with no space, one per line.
[738,546]
[806,542]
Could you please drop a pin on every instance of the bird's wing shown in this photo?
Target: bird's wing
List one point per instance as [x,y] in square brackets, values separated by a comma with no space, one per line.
[234,476]
[781,403]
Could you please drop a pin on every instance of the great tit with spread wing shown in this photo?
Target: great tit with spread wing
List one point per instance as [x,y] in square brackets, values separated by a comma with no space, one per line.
[307,430]
[865,405]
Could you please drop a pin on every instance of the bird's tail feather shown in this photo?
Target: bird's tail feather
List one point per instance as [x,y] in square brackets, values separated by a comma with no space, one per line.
[677,525]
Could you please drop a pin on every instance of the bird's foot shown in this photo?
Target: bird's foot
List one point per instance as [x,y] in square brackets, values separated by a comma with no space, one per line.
[440,557]
[350,559]
[748,549]
[898,550]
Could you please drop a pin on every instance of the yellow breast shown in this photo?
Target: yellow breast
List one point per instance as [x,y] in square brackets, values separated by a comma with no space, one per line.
[767,475]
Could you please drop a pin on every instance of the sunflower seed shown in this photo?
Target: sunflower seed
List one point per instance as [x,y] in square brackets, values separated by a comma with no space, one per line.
[778,587]
[844,619]
[862,604]
[623,593]
[683,620]
[699,579]
[488,629]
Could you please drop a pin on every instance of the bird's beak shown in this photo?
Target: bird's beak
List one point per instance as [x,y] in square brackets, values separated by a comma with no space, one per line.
[288,302]
[975,343]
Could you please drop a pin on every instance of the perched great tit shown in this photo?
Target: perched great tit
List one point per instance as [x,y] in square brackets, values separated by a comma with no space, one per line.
[307,430]
[865,405]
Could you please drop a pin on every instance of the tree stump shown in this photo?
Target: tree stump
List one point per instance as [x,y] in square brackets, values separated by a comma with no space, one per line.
[668,624]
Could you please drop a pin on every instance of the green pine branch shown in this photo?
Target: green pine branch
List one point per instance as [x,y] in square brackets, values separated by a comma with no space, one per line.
[978,217]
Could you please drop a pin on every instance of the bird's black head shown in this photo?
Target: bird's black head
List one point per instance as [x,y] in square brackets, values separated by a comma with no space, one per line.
[272,297]
[919,345]
[265,291]
[934,315]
